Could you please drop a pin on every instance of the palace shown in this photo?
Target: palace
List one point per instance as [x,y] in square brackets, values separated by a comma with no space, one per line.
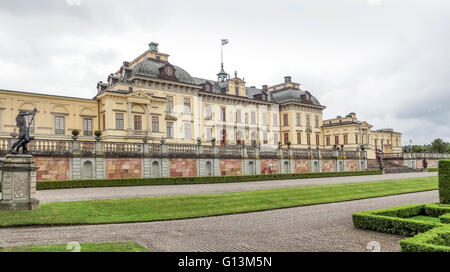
[151,99]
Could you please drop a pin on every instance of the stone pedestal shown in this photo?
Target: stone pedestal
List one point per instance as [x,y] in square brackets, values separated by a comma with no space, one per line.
[19,183]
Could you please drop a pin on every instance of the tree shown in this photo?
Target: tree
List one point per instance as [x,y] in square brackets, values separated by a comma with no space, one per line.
[439,146]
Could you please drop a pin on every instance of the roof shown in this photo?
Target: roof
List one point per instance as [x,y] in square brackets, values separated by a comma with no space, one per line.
[150,68]
[292,95]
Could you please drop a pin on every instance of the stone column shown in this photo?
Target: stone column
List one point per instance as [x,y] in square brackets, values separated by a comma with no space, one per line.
[129,127]
[19,183]
[149,121]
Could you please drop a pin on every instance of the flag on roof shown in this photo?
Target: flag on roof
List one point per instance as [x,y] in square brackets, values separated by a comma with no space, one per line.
[224,41]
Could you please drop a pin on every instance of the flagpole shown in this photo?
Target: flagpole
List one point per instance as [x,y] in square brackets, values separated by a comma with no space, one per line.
[221,53]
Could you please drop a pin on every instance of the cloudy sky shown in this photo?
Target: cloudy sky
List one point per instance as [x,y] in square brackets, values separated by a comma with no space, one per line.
[386,60]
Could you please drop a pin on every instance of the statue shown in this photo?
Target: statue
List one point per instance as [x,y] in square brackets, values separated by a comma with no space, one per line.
[24,132]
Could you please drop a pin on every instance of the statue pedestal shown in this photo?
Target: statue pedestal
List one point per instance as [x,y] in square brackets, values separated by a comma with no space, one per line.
[19,183]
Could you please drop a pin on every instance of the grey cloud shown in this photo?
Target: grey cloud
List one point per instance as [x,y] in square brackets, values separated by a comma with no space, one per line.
[388,62]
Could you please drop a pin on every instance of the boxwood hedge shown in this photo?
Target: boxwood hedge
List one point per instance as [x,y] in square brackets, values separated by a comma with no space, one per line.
[394,220]
[430,236]
[83,183]
[435,240]
[444,181]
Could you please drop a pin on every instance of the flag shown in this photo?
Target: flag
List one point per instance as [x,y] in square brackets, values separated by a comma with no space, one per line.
[224,41]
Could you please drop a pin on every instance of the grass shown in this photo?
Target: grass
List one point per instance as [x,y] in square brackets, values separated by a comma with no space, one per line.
[84,247]
[425,218]
[190,206]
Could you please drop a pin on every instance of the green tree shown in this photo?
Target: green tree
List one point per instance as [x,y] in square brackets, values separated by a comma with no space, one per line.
[439,146]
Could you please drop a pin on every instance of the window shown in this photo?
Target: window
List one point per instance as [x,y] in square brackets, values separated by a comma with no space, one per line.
[275,138]
[208,115]
[155,123]
[317,139]
[328,140]
[264,119]
[376,144]
[223,114]
[265,138]
[236,90]
[104,121]
[209,133]
[187,131]
[275,120]
[187,105]
[169,129]
[308,121]
[59,124]
[253,118]
[286,138]
[299,138]
[356,138]
[238,116]
[336,140]
[308,138]
[298,119]
[119,121]
[30,125]
[285,119]
[138,122]
[169,103]
[87,126]
[345,139]
[316,121]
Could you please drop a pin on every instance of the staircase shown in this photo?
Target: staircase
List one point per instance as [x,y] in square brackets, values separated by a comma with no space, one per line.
[390,167]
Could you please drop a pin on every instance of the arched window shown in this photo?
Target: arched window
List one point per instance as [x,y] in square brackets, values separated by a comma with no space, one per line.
[88,170]
[239,138]
[208,168]
[155,170]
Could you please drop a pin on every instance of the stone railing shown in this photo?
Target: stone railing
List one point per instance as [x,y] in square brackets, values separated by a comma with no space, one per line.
[435,156]
[42,147]
[177,150]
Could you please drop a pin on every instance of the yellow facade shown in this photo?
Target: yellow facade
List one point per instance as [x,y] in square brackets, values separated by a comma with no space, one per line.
[150,98]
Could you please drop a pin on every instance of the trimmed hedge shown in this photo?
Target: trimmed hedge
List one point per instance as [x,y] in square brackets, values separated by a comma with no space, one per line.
[394,220]
[436,210]
[84,183]
[432,169]
[435,240]
[444,181]
[445,219]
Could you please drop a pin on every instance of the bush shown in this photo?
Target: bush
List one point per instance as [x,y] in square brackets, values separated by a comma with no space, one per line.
[63,184]
[394,220]
[435,240]
[444,181]
[432,169]
[436,210]
[445,219]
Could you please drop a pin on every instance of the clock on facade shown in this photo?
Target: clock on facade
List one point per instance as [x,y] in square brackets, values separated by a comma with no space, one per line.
[168,71]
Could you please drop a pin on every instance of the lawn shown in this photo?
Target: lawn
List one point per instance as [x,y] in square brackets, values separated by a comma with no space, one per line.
[425,218]
[84,247]
[190,206]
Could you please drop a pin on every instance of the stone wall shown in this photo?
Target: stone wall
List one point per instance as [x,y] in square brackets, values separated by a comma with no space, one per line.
[52,168]
[269,166]
[301,166]
[351,165]
[230,167]
[328,165]
[183,167]
[123,168]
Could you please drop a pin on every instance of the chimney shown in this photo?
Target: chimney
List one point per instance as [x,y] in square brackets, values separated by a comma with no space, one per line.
[287,79]
[153,47]
[264,87]
[126,64]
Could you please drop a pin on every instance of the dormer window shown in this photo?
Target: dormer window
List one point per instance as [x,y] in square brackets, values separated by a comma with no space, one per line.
[207,87]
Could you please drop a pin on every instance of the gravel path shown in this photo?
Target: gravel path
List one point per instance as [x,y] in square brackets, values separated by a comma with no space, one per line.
[326,227]
[160,190]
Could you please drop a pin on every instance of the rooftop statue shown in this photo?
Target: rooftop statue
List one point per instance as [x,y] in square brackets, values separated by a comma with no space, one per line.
[24,132]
